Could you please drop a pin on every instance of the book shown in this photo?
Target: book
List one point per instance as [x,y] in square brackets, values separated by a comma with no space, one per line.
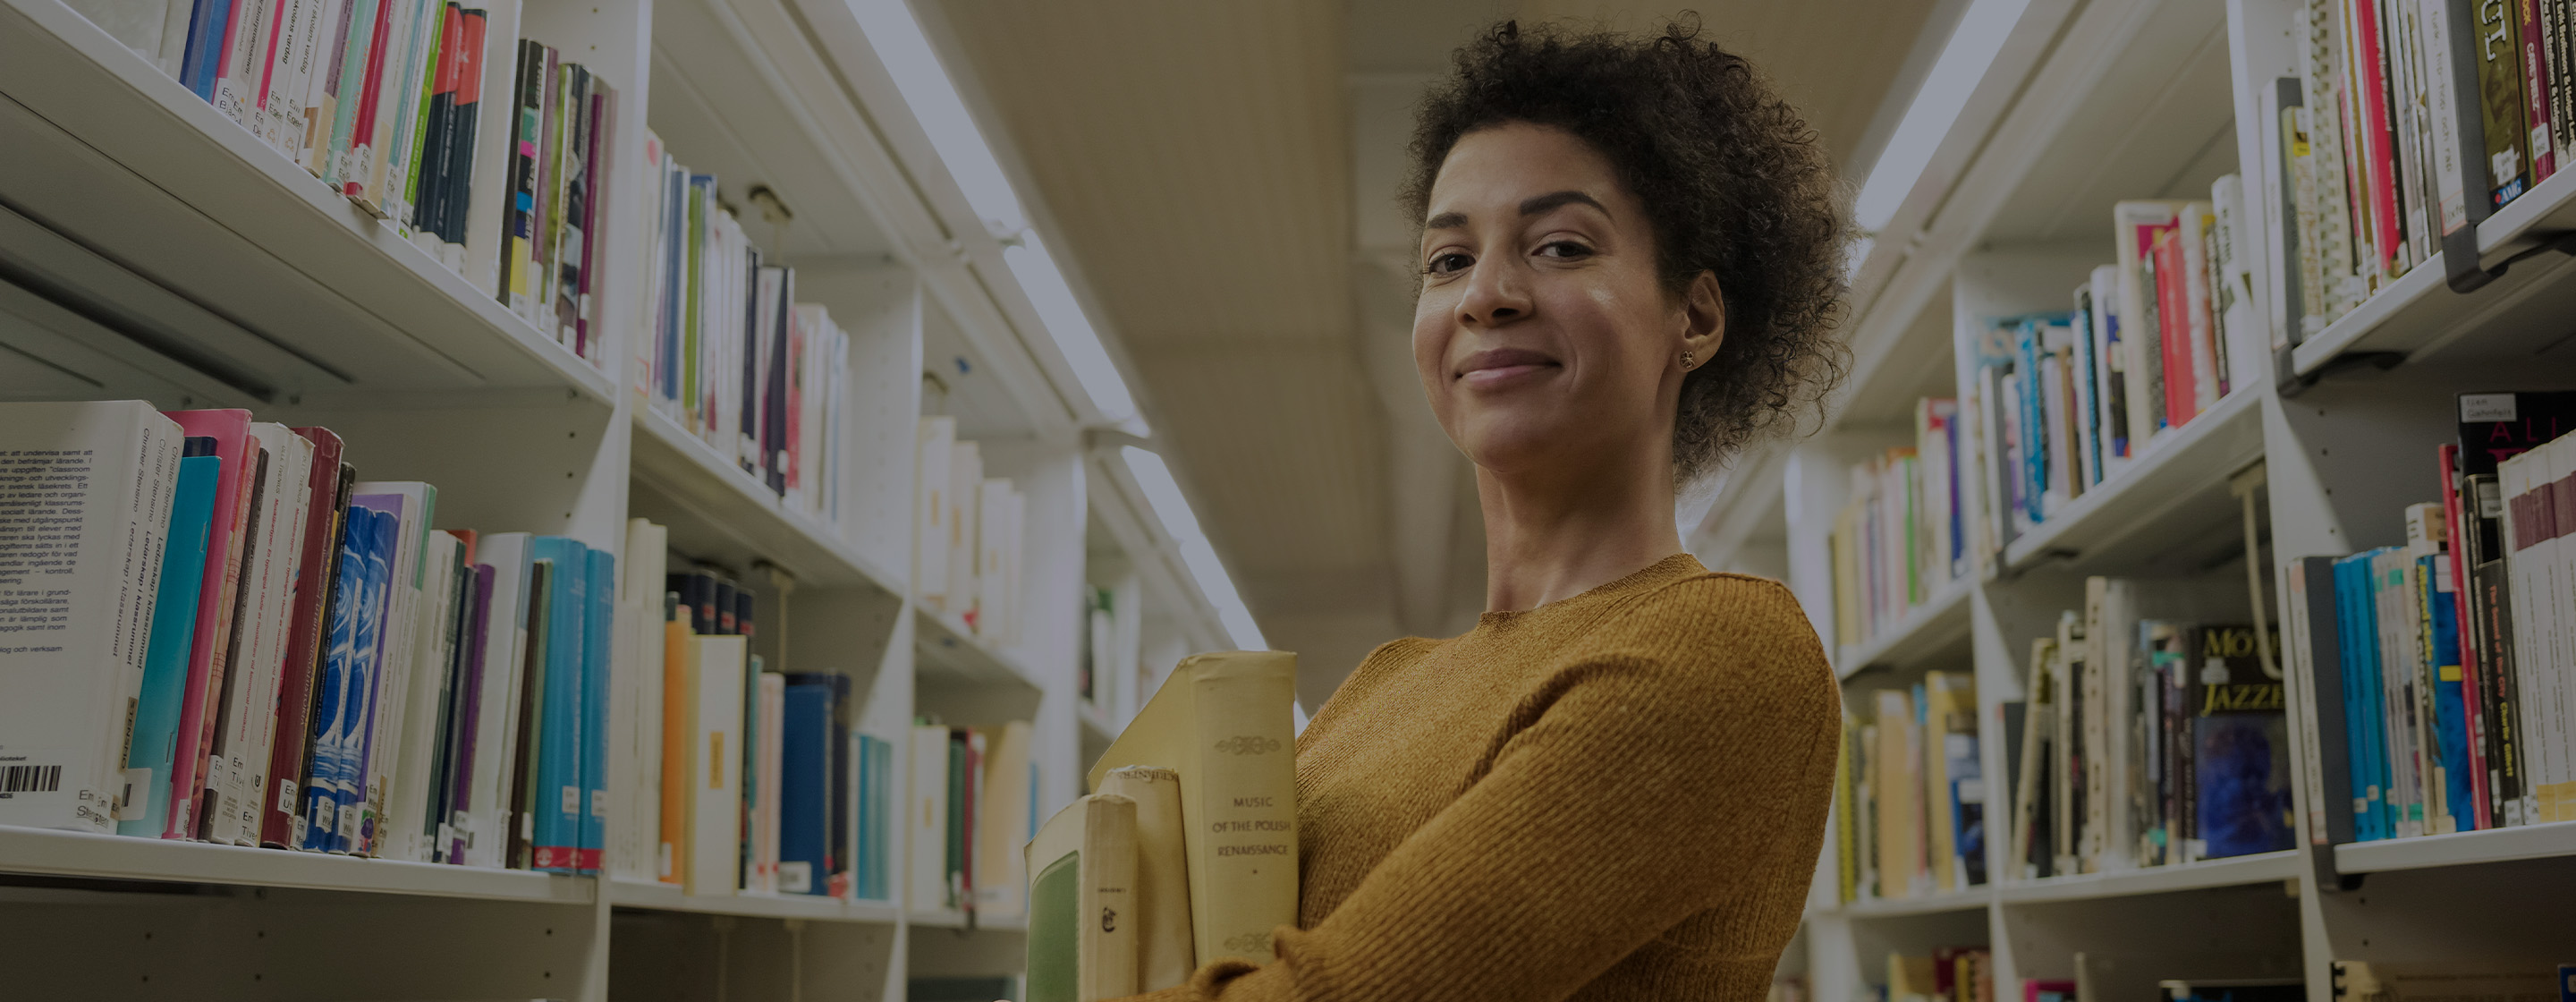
[2240,748]
[716,667]
[926,827]
[152,744]
[85,490]
[1165,955]
[1082,868]
[1003,821]
[316,578]
[805,789]
[1223,722]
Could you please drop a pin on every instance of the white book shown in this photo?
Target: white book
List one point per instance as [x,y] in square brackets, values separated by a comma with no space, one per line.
[993,539]
[926,822]
[237,82]
[965,479]
[77,486]
[931,511]
[276,67]
[2556,610]
[496,732]
[224,792]
[715,765]
[2056,343]
[1002,824]
[154,499]
[407,819]
[639,697]
[763,878]
[2527,576]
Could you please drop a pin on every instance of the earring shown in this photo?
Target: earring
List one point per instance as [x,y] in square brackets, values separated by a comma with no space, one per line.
[1686,361]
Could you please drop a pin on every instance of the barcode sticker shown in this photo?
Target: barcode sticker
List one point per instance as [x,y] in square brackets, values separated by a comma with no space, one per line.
[131,806]
[30,779]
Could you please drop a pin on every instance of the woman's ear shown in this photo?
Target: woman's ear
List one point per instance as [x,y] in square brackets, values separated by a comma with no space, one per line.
[1703,318]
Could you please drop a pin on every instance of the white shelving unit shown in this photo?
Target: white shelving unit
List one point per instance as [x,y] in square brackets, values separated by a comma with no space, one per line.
[2087,104]
[182,261]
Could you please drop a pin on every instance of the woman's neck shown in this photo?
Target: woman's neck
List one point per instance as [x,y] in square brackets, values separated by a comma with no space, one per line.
[1550,540]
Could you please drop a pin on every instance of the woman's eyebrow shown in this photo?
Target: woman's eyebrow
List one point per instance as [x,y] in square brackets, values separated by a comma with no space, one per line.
[1558,199]
[1447,221]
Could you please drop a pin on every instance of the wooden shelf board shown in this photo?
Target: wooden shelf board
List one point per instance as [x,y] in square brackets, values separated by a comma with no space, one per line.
[2137,518]
[2260,868]
[718,512]
[951,654]
[1938,626]
[140,170]
[668,897]
[2493,845]
[116,857]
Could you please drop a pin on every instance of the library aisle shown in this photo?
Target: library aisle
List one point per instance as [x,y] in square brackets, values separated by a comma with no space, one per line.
[660,499]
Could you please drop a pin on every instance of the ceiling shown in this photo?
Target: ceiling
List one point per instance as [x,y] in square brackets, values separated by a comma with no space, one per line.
[1223,178]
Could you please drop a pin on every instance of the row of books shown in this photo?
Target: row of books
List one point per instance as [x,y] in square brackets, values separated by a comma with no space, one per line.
[383,101]
[217,632]
[2147,742]
[1910,793]
[1903,535]
[732,356]
[967,547]
[1947,974]
[974,795]
[2064,401]
[740,778]
[2433,672]
[2383,152]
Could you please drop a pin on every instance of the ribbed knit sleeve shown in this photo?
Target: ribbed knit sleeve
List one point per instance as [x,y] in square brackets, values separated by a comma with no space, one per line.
[1673,767]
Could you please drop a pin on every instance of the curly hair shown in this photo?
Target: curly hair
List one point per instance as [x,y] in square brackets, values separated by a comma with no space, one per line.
[1733,180]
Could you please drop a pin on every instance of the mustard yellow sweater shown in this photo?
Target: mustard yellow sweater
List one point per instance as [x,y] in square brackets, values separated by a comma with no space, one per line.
[1620,796]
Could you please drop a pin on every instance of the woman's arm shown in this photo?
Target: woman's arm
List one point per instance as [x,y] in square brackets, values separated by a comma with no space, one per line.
[1651,785]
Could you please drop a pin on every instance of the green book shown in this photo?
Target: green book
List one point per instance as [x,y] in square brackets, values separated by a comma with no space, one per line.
[1082,923]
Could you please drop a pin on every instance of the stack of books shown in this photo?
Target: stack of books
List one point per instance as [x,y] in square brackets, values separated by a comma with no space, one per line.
[217,632]
[967,547]
[1903,535]
[1910,793]
[732,356]
[2147,742]
[973,797]
[2064,401]
[742,778]
[2431,672]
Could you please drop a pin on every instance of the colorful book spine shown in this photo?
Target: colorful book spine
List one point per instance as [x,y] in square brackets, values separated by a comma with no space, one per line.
[153,748]
[599,617]
[560,793]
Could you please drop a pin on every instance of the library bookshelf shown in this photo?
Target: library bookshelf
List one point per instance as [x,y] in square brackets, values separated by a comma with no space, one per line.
[2088,103]
[155,249]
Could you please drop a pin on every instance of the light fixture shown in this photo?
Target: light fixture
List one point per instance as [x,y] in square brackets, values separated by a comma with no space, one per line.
[1936,106]
[1047,290]
[932,95]
[1163,494]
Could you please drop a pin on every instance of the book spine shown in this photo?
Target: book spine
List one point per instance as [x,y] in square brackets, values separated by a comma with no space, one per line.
[599,623]
[359,45]
[151,751]
[2538,98]
[2474,709]
[516,222]
[215,602]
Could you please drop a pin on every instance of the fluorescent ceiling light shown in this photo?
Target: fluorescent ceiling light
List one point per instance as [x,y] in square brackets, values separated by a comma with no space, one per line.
[896,35]
[1071,328]
[1964,59]
[1164,494]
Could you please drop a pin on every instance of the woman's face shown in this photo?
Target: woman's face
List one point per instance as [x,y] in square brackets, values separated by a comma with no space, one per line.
[1543,337]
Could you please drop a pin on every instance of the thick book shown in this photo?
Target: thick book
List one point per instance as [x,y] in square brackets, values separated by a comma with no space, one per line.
[329,821]
[85,491]
[2240,757]
[767,757]
[1164,954]
[925,821]
[1002,821]
[804,789]
[496,733]
[559,794]
[240,756]
[144,808]
[2317,690]
[713,801]
[1082,870]
[238,655]
[679,702]
[599,633]
[413,504]
[1224,721]
[316,579]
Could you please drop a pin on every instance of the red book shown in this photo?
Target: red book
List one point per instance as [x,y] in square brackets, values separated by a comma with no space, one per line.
[316,572]
[206,651]
[2375,134]
[2536,86]
[2457,539]
[2173,329]
[371,87]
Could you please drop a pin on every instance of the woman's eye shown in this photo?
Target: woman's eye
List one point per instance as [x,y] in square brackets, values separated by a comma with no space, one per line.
[1563,249]
[1443,264]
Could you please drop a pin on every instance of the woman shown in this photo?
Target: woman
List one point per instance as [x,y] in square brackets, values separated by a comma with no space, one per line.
[1615,786]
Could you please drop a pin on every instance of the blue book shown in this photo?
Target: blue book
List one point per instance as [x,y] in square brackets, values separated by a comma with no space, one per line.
[2436,599]
[155,739]
[2034,421]
[881,818]
[599,621]
[2240,753]
[862,860]
[2351,579]
[556,841]
[203,54]
[375,639]
[315,823]
[2368,693]
[805,790]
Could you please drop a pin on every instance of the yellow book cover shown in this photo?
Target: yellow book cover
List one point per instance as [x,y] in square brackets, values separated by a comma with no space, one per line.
[1225,722]
[679,678]
[1164,954]
[1081,944]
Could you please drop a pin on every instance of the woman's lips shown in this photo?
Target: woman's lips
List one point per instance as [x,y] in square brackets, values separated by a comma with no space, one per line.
[1496,367]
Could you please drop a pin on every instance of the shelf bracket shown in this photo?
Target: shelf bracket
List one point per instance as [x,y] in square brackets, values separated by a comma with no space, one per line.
[2460,248]
[2294,384]
[2321,859]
